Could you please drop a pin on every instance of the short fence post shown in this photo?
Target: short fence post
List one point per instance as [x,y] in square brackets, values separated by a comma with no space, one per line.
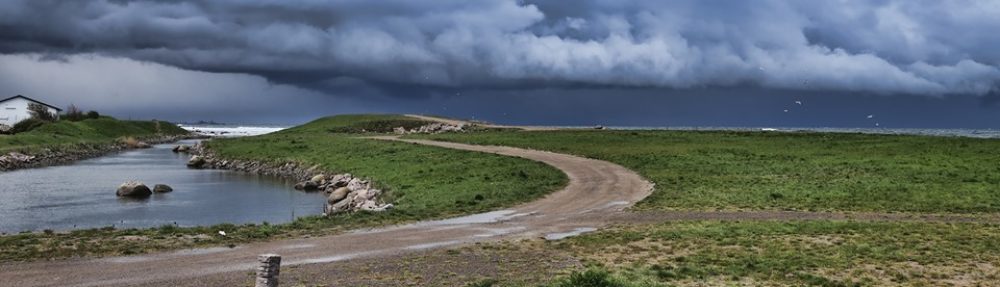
[269,265]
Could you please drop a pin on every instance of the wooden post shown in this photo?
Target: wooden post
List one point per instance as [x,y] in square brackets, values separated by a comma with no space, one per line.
[268,268]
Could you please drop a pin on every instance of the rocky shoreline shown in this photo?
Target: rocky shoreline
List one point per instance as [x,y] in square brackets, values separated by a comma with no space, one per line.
[345,193]
[69,154]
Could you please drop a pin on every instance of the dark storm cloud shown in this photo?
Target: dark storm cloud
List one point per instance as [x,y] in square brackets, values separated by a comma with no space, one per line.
[887,47]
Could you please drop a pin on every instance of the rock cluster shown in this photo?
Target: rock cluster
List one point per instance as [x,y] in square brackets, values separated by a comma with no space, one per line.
[432,128]
[345,193]
[14,159]
[203,158]
[4,129]
[68,154]
[137,189]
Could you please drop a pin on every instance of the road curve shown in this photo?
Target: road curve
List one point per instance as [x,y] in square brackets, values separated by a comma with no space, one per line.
[596,190]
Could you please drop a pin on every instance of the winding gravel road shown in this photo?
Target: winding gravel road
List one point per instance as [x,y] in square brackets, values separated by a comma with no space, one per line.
[596,191]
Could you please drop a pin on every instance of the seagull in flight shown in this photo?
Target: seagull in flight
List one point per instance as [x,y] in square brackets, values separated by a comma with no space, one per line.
[798,103]
[871,116]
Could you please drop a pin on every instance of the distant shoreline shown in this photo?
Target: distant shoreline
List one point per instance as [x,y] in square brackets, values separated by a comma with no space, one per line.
[231,130]
[972,133]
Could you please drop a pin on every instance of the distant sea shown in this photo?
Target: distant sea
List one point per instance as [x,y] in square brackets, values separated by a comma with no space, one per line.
[249,130]
[972,133]
[231,130]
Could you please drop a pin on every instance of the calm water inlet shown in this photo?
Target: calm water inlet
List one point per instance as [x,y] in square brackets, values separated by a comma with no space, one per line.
[82,195]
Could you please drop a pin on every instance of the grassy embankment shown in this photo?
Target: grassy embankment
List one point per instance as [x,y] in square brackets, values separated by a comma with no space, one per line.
[90,132]
[787,171]
[423,183]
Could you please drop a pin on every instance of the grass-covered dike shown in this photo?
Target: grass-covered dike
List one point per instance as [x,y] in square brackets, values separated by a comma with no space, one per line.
[88,132]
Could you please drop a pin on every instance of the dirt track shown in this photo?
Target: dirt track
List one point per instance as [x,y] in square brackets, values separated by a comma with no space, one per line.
[596,190]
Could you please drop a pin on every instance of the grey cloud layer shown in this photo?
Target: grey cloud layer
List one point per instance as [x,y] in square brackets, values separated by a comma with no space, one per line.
[902,46]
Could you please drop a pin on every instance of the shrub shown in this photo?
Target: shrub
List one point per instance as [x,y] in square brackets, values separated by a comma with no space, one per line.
[93,115]
[41,112]
[73,114]
[599,277]
[27,125]
[590,278]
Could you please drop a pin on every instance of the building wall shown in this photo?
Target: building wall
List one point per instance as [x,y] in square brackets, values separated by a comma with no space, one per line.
[16,110]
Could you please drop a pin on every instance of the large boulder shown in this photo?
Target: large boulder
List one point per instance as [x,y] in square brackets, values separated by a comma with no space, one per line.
[162,188]
[341,206]
[319,178]
[338,195]
[307,186]
[340,180]
[368,205]
[134,189]
[196,162]
[357,184]
[182,148]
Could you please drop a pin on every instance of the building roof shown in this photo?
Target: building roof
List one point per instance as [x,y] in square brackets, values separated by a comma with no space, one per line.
[33,100]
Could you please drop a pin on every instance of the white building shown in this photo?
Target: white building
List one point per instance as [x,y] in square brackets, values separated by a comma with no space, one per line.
[15,109]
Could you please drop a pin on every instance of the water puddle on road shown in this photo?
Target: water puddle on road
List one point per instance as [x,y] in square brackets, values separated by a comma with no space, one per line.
[564,235]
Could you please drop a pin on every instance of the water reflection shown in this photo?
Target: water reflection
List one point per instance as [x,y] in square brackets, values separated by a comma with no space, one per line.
[82,195]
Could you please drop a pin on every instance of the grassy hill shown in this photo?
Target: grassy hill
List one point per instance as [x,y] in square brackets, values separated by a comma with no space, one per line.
[91,131]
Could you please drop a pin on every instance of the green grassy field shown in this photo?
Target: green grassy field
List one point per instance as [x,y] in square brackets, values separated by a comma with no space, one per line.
[422,182]
[103,130]
[797,253]
[787,171]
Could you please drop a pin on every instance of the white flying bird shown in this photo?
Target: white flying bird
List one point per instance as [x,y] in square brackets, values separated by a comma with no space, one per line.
[798,103]
[223,233]
[786,111]
[871,116]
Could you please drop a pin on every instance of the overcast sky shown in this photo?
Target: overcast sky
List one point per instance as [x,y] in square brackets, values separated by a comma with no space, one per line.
[907,63]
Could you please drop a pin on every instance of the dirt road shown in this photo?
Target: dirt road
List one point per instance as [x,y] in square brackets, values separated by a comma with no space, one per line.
[596,190]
